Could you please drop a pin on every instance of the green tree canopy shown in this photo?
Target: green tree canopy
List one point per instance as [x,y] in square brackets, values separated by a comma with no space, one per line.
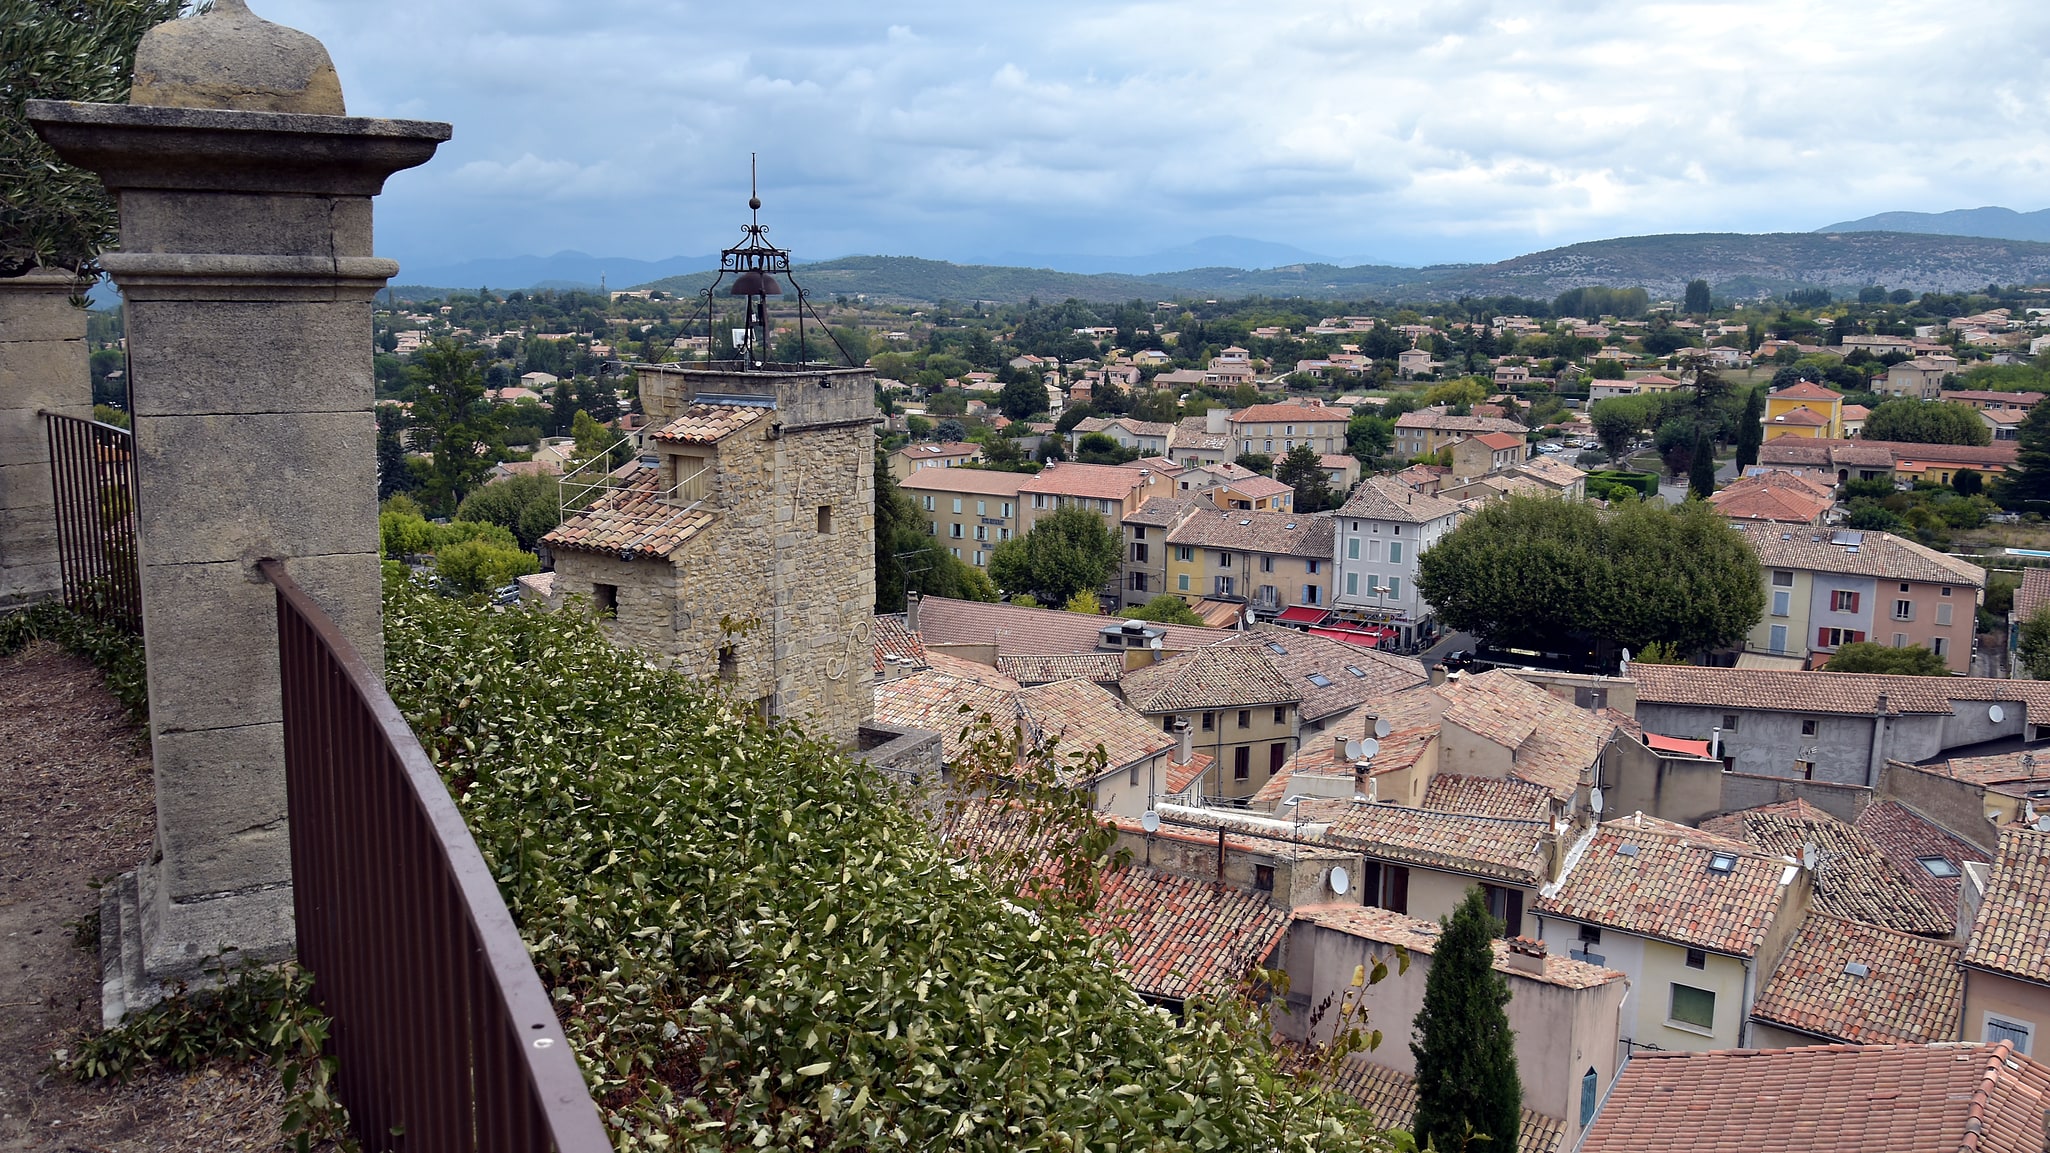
[1065,553]
[1530,570]
[1166,609]
[1926,422]
[1022,399]
[478,566]
[1867,657]
[1467,1084]
[2035,643]
[451,420]
[2029,480]
[1303,470]
[1750,429]
[527,506]
[1698,301]
[1617,420]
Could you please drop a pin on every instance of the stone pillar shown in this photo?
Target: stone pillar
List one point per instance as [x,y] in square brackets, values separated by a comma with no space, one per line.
[245,260]
[42,368]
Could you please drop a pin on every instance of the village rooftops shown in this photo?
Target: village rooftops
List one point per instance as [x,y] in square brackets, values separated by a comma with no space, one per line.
[1845,980]
[2033,594]
[1859,694]
[1285,414]
[895,642]
[1806,390]
[1351,674]
[1219,677]
[1932,856]
[1390,928]
[1675,884]
[1490,847]
[1016,630]
[1183,937]
[1446,422]
[1501,440]
[941,450]
[1102,668]
[1386,499]
[632,521]
[1853,878]
[1552,742]
[1874,554]
[1072,717]
[1257,531]
[703,423]
[1089,481]
[1826,1099]
[2011,933]
[981,481]
[1488,797]
[1783,497]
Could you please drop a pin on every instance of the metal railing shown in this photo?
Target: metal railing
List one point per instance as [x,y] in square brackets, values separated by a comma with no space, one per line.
[92,478]
[445,1038]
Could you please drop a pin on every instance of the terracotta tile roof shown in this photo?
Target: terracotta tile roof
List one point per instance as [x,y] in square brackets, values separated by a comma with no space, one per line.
[1653,879]
[632,521]
[1483,846]
[1163,511]
[981,481]
[1103,668]
[1078,716]
[1501,440]
[1805,390]
[1384,498]
[1133,427]
[1219,677]
[940,450]
[946,698]
[1877,554]
[1353,674]
[893,639]
[1853,879]
[709,423]
[1193,432]
[1256,487]
[1177,778]
[2033,594]
[1090,481]
[2000,452]
[1020,631]
[1826,1099]
[1389,928]
[1074,717]
[1553,741]
[1906,837]
[1488,797]
[1446,422]
[1910,990]
[2023,766]
[1257,531]
[2011,933]
[2017,399]
[1774,496]
[1801,417]
[1390,1095]
[1183,937]
[1551,472]
[1844,693]
[1289,414]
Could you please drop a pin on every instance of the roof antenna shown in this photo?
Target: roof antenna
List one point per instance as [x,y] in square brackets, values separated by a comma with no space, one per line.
[754,190]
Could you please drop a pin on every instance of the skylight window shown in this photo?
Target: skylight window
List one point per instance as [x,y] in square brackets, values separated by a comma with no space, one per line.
[1722,863]
[1937,866]
[1355,670]
[1276,649]
[1858,969]
[1626,850]
[1320,680]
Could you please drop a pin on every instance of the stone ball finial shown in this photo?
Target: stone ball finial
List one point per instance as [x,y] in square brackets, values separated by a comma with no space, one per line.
[232,58]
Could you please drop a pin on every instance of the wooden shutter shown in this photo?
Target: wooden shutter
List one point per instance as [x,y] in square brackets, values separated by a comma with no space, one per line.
[1398,888]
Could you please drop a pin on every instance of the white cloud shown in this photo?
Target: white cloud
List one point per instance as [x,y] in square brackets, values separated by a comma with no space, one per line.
[1458,129]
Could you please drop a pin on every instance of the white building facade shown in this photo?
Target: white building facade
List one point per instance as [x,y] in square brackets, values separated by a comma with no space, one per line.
[1380,533]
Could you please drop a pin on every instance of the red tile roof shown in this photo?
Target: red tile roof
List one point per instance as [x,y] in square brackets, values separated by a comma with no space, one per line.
[1488,797]
[1103,668]
[1826,1099]
[1805,390]
[709,423]
[1178,937]
[1501,440]
[1220,677]
[1906,837]
[2011,934]
[1020,631]
[1417,936]
[1853,878]
[1910,990]
[892,639]
[1289,413]
[1653,879]
[1781,690]
[2033,594]
[631,522]
[1482,846]
[1090,481]
[980,481]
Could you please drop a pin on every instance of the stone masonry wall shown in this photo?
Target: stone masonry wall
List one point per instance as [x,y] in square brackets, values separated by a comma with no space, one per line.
[42,367]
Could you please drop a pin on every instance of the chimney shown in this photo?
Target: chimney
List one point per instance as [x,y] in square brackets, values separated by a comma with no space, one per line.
[1526,955]
[1184,745]
[911,600]
[1215,421]
[1338,747]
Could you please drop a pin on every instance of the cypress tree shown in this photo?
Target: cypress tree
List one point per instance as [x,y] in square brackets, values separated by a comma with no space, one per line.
[1749,431]
[1701,476]
[1465,1054]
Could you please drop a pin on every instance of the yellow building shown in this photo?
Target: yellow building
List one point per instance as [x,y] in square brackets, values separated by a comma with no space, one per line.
[1804,408]
[970,510]
[1268,560]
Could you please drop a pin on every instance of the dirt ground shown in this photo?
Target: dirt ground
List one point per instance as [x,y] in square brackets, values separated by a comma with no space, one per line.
[75,807]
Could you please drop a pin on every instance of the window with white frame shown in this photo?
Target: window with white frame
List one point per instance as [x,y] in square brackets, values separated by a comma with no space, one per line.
[2000,1029]
[1691,1007]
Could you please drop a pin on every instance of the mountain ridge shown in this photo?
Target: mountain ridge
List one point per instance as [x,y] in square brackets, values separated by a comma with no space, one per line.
[1991,221]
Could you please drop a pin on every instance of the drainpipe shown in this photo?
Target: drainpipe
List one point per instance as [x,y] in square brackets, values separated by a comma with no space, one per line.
[1744,1014]
[1878,759]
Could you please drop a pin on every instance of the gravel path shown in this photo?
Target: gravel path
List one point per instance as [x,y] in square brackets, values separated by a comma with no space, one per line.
[75,807]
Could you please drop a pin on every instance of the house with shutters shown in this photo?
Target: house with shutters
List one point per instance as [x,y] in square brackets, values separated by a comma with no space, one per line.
[1380,531]
[1827,588]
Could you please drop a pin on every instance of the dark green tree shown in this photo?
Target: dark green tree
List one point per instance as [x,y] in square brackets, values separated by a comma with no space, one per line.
[2029,480]
[529,507]
[1258,462]
[1926,422]
[1302,469]
[1166,609]
[1698,300]
[1867,657]
[1065,553]
[1467,1085]
[1701,472]
[51,214]
[1021,399]
[1968,482]
[393,474]
[451,420]
[1750,429]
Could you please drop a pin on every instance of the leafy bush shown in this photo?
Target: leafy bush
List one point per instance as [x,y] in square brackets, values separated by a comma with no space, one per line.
[475,566]
[1645,483]
[401,534]
[529,507]
[755,943]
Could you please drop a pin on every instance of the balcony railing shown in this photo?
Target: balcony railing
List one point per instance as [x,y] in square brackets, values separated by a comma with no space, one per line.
[92,478]
[445,1038]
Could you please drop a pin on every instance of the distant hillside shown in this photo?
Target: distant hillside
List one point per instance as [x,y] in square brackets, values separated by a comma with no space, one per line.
[562,270]
[1997,223]
[1209,252]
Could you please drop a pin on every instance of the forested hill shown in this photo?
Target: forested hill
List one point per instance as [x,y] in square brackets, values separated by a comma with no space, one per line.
[1736,265]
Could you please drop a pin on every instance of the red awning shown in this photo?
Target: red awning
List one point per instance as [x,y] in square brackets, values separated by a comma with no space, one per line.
[1677,745]
[1303,615]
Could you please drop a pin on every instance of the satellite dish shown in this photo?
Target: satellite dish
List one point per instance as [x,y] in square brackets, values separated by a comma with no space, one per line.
[1594,801]
[1382,728]
[1809,856]
[1150,821]
[1340,880]
[1996,714]
[1368,747]
[1352,750]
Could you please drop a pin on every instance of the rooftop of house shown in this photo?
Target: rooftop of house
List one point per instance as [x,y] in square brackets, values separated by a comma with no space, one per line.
[1805,390]
[1852,553]
[1783,497]
[1932,857]
[1488,797]
[1778,690]
[1458,842]
[1826,1099]
[703,423]
[1801,418]
[1551,471]
[1676,884]
[1178,937]
[1073,718]
[1164,511]
[1194,432]
[1878,454]
[631,521]
[1552,741]
[1389,928]
[1218,677]
[1987,396]
[2022,767]
[1500,440]
[894,640]
[2033,594]
[1446,422]
[1351,674]
[1257,487]
[939,450]
[1853,879]
[1851,981]
[1257,531]
[1132,427]
[979,481]
[1102,668]
[1391,1095]
[1387,499]
[2011,933]
[1290,413]
[1020,631]
[1090,481]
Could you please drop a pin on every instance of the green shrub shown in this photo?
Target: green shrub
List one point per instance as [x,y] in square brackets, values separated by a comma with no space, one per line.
[475,566]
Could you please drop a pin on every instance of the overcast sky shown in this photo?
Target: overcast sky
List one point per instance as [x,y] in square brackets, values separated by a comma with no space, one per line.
[1412,132]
